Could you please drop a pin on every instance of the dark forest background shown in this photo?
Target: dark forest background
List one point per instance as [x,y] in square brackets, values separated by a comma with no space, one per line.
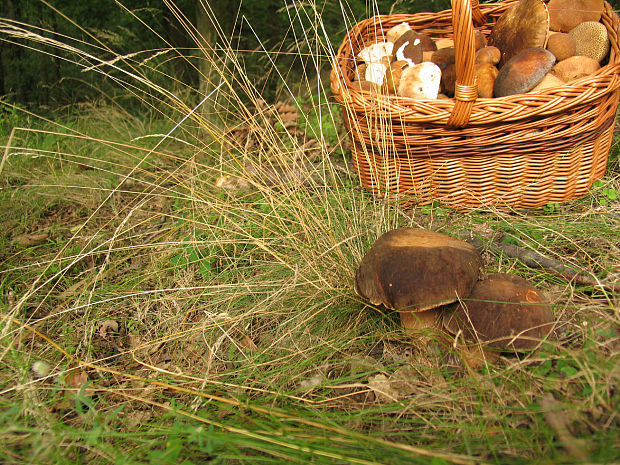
[44,83]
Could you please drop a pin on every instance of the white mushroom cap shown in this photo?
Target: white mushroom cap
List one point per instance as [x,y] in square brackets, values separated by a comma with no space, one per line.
[374,53]
[395,32]
[375,72]
[420,81]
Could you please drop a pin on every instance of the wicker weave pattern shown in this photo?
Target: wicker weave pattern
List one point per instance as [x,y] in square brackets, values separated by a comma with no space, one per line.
[521,151]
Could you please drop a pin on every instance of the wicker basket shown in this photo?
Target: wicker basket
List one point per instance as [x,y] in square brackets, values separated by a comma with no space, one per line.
[521,151]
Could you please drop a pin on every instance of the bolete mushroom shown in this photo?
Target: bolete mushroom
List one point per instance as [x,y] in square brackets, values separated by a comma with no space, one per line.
[415,271]
[523,71]
[548,82]
[374,53]
[591,40]
[420,81]
[395,32]
[408,47]
[486,74]
[488,54]
[564,15]
[562,45]
[392,76]
[576,67]
[504,312]
[524,25]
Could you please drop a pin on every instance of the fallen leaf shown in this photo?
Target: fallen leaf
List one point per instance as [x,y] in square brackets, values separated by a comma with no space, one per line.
[76,379]
[381,386]
[108,326]
[30,240]
[248,343]
[312,382]
[559,422]
[232,183]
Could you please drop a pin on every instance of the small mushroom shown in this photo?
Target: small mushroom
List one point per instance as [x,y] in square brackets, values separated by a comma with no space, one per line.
[565,15]
[408,47]
[395,32]
[486,74]
[504,312]
[359,73]
[444,57]
[420,81]
[416,270]
[488,54]
[374,53]
[480,40]
[524,25]
[576,67]
[375,72]
[562,45]
[393,75]
[591,40]
[523,71]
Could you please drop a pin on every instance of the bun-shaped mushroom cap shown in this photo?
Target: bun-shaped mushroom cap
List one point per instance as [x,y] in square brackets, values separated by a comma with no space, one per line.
[565,15]
[562,45]
[408,47]
[576,67]
[502,311]
[523,71]
[523,25]
[420,81]
[591,40]
[414,270]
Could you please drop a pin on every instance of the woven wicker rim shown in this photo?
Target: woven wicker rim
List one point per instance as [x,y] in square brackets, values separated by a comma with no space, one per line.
[455,113]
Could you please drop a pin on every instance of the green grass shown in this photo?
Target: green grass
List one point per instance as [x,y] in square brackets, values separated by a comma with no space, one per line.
[240,338]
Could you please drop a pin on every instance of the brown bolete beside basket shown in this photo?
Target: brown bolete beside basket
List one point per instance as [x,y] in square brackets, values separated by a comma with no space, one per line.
[521,151]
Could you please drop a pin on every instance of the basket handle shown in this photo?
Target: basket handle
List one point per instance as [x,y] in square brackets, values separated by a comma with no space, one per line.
[466,89]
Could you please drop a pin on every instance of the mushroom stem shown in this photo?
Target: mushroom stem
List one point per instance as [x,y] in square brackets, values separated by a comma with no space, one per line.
[420,320]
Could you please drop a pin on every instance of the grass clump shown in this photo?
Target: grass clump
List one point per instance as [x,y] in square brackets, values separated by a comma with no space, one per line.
[193,301]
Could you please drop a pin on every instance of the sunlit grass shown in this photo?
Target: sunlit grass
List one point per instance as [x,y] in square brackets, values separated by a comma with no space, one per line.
[240,338]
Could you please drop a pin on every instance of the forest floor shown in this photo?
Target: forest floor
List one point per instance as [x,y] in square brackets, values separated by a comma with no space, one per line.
[187,297]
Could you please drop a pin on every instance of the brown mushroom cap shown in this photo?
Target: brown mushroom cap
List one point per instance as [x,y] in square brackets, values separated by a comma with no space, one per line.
[488,54]
[564,15]
[523,25]
[591,40]
[414,270]
[428,44]
[575,67]
[392,76]
[523,71]
[479,40]
[561,45]
[503,311]
[408,47]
